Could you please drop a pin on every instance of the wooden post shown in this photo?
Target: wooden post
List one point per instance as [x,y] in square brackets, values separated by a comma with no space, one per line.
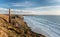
[9,16]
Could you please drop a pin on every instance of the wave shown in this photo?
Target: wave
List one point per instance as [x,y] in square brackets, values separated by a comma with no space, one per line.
[43,26]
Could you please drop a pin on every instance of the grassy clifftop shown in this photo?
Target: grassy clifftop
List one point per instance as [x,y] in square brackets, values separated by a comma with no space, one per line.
[17,28]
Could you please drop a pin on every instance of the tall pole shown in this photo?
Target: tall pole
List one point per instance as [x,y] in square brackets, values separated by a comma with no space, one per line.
[9,16]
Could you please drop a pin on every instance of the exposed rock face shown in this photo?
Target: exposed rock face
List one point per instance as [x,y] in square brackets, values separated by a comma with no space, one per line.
[17,27]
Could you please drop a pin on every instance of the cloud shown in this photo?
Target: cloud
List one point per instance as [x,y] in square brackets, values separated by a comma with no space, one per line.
[54,1]
[14,11]
[25,4]
[45,10]
[4,9]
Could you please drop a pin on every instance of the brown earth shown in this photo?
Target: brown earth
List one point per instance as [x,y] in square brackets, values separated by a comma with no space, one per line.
[17,28]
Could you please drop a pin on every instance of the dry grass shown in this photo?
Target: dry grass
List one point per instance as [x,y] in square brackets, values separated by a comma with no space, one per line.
[17,28]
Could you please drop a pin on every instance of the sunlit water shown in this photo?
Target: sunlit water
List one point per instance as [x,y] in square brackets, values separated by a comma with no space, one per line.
[48,25]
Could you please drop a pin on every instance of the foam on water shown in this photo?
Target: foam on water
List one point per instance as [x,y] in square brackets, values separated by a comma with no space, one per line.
[44,24]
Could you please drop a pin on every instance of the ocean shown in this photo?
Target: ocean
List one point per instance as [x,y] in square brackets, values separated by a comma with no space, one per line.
[48,25]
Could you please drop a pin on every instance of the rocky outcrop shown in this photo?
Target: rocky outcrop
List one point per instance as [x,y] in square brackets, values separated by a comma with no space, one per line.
[17,28]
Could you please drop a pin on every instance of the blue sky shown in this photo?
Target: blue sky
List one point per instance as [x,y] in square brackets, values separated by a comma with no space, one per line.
[21,4]
[32,6]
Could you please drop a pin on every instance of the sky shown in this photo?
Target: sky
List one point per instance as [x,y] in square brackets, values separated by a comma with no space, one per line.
[37,7]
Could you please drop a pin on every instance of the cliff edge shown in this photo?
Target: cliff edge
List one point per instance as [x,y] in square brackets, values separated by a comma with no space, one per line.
[17,28]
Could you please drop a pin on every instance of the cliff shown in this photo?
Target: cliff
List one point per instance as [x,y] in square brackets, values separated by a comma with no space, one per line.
[17,28]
